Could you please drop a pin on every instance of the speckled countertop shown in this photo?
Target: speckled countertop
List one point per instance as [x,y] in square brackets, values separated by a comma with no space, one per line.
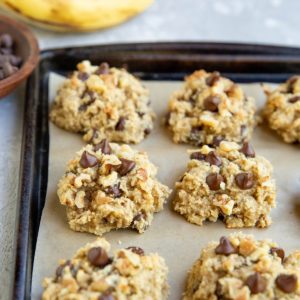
[253,21]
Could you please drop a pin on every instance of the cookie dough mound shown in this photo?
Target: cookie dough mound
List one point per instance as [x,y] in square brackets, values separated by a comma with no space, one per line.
[229,182]
[282,110]
[242,268]
[93,274]
[111,186]
[103,102]
[210,108]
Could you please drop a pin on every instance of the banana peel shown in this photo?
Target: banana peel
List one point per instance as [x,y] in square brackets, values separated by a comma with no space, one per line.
[75,15]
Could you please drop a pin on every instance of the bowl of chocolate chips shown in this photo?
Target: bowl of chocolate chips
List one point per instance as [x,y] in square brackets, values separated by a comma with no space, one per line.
[19,54]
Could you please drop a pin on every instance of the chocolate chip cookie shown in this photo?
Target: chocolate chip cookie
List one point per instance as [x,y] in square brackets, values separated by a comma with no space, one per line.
[109,186]
[103,102]
[282,110]
[210,108]
[242,268]
[93,274]
[229,182]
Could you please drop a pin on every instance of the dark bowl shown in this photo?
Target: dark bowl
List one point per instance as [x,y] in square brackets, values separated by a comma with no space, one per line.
[26,47]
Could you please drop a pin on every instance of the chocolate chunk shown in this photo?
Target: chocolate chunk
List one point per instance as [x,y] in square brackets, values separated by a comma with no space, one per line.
[88,160]
[98,257]
[114,190]
[104,146]
[213,78]
[211,103]
[121,124]
[217,140]
[244,180]
[83,76]
[225,247]
[286,282]
[136,250]
[279,251]
[82,107]
[198,156]
[256,283]
[147,131]
[103,69]
[59,270]
[213,159]
[141,114]
[214,180]
[6,41]
[106,297]
[125,167]
[248,150]
[294,99]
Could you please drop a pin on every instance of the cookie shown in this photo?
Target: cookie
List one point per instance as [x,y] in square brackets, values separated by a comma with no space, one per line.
[242,268]
[282,110]
[103,102]
[210,108]
[92,274]
[229,182]
[109,186]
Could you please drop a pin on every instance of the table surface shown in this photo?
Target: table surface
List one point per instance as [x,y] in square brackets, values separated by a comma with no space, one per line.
[255,21]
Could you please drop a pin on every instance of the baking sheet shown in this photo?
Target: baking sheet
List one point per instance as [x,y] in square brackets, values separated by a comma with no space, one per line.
[178,241]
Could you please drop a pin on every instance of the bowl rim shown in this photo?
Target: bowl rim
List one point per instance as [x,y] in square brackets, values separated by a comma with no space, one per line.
[31,62]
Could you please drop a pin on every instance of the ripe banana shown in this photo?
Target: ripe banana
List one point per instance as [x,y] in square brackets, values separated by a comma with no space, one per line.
[75,15]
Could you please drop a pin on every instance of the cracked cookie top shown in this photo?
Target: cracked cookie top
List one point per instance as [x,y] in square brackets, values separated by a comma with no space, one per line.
[109,186]
[210,108]
[94,274]
[103,102]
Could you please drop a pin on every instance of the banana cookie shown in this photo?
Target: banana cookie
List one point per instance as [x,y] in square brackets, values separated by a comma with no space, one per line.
[282,110]
[109,186]
[93,274]
[229,182]
[242,268]
[208,109]
[103,102]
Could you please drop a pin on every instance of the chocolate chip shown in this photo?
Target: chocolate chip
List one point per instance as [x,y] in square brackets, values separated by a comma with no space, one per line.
[213,159]
[115,190]
[98,257]
[82,107]
[88,160]
[121,124]
[59,270]
[83,76]
[125,167]
[225,247]
[211,103]
[256,283]
[136,250]
[244,180]
[102,69]
[104,146]
[198,156]
[147,131]
[286,282]
[294,99]
[217,140]
[141,114]
[6,41]
[248,150]
[106,297]
[279,251]
[214,180]
[213,78]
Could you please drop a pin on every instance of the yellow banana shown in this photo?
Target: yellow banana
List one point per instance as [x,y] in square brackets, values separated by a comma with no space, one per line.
[75,15]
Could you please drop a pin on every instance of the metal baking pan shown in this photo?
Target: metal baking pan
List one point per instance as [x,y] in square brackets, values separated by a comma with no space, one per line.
[155,61]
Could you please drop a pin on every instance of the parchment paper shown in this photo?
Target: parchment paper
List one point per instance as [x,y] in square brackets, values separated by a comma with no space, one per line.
[178,241]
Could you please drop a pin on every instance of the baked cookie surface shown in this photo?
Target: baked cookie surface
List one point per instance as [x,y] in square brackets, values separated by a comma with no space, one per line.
[282,110]
[91,274]
[242,268]
[109,186]
[210,108]
[103,102]
[229,182]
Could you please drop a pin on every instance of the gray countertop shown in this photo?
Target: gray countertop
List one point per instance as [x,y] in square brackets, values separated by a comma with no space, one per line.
[252,21]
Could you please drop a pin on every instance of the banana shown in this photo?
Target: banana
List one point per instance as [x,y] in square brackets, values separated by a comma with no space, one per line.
[75,15]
